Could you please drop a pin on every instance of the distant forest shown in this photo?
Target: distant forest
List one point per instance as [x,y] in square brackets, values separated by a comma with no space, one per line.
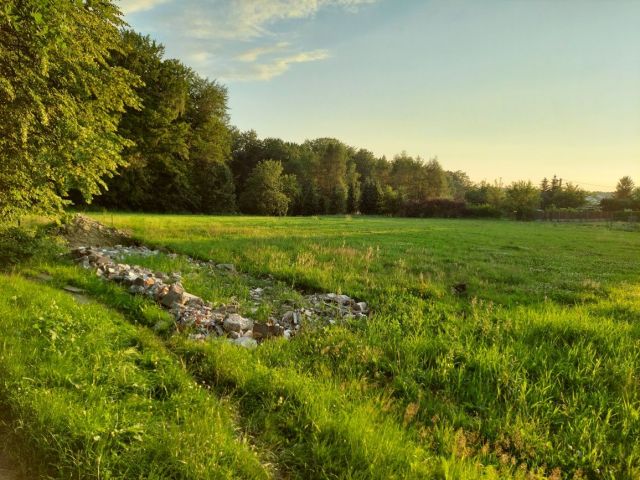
[186,157]
[94,113]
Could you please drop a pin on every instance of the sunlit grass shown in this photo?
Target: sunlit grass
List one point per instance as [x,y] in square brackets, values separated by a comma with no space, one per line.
[91,396]
[536,365]
[532,372]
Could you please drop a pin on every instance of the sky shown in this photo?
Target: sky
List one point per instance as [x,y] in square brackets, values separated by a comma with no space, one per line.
[501,89]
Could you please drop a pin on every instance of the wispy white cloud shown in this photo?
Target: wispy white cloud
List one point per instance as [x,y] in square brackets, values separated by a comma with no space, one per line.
[252,16]
[198,57]
[269,70]
[133,6]
[235,39]
[253,54]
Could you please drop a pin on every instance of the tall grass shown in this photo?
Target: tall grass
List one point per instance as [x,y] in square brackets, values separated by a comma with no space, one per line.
[532,372]
[90,396]
[534,367]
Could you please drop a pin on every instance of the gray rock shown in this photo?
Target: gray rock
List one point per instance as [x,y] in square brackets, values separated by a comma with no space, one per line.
[237,323]
[229,267]
[246,342]
[264,330]
[343,299]
[361,307]
[218,330]
[135,289]
[102,260]
[193,301]
[174,295]
[129,277]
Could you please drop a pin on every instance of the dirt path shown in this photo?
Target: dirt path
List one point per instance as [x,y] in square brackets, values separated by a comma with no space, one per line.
[8,469]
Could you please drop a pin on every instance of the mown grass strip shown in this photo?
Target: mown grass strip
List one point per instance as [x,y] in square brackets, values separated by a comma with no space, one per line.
[92,396]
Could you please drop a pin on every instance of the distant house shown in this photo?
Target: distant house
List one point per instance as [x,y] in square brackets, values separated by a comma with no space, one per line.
[593,199]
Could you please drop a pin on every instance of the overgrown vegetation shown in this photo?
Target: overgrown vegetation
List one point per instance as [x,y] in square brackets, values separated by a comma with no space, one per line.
[532,371]
[90,396]
[503,362]
[495,349]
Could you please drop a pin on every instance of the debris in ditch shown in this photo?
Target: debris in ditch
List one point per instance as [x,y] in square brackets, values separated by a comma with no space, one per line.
[201,317]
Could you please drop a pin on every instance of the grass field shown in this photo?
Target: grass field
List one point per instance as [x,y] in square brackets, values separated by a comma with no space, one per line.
[532,372]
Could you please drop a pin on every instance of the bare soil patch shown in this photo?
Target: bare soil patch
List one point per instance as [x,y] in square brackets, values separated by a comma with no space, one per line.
[84,231]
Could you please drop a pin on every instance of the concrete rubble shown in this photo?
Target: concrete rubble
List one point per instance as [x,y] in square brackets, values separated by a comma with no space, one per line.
[202,318]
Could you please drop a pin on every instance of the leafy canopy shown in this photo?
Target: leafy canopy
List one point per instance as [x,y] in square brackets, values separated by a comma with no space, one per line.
[265,190]
[60,101]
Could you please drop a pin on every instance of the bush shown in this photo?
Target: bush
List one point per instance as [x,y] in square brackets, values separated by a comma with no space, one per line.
[619,204]
[17,245]
[482,211]
[437,207]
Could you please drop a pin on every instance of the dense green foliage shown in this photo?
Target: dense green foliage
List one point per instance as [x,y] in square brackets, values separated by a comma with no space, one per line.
[624,189]
[60,102]
[264,192]
[557,194]
[18,244]
[325,176]
[178,161]
[522,199]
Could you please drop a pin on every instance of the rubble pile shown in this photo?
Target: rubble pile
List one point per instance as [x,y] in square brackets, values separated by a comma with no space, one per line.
[202,318]
[82,230]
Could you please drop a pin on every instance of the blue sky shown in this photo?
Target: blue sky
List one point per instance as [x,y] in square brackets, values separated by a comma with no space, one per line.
[500,89]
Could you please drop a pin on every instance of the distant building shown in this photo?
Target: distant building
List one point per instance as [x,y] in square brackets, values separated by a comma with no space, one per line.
[593,199]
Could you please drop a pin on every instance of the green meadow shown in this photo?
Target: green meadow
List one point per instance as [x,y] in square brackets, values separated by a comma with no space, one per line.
[530,368]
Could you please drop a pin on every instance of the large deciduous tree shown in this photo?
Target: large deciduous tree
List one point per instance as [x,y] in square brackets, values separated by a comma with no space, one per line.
[522,199]
[210,146]
[182,142]
[264,192]
[60,101]
[330,173]
[624,189]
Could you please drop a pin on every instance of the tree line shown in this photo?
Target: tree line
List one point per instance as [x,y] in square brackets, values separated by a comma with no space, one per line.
[95,112]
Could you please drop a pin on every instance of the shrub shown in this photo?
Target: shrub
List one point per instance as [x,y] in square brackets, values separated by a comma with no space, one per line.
[481,211]
[437,207]
[619,204]
[16,245]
